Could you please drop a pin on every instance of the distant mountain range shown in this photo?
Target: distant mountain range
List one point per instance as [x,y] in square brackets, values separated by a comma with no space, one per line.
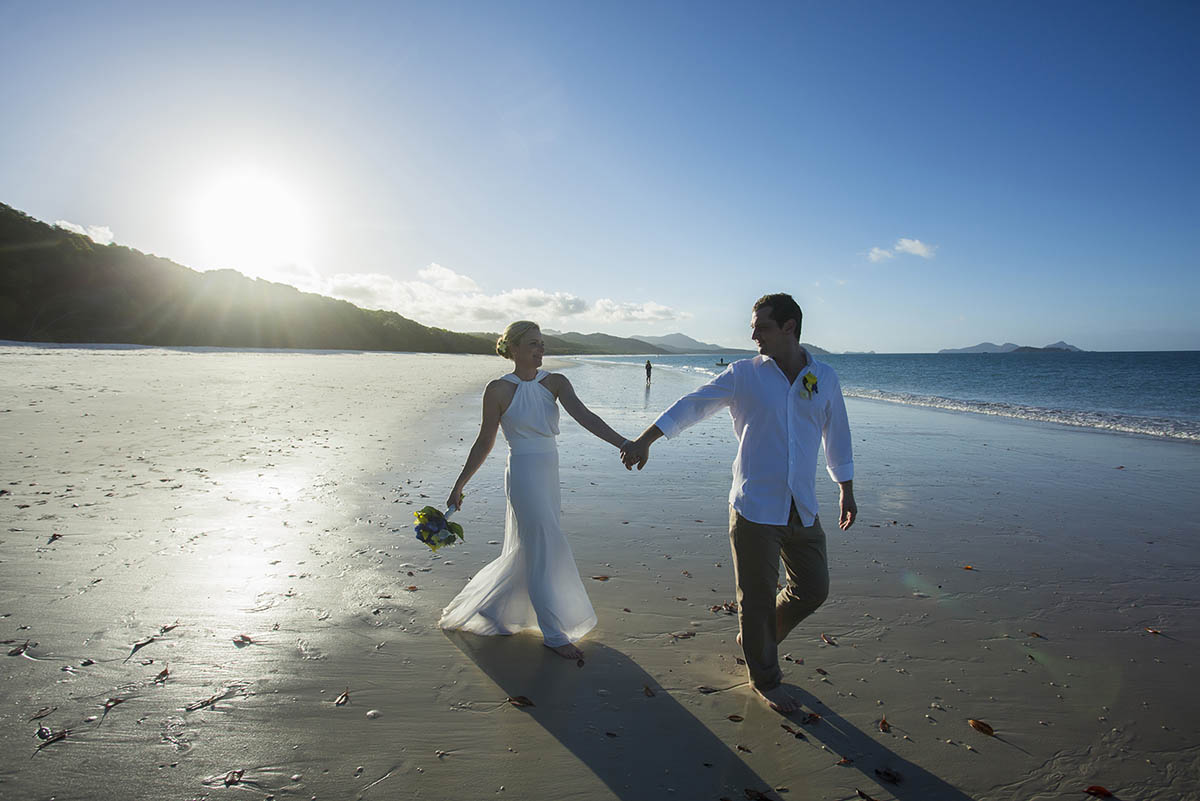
[1008,347]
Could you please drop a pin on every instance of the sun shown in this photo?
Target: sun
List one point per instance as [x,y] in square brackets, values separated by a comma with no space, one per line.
[249,220]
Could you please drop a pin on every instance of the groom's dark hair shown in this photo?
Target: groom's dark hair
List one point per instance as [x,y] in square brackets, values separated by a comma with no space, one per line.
[783,308]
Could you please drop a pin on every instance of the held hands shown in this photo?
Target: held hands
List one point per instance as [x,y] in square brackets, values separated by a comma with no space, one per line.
[456,498]
[636,452]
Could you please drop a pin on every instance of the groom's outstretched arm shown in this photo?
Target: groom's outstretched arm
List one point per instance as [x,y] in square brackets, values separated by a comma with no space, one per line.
[687,411]
[638,451]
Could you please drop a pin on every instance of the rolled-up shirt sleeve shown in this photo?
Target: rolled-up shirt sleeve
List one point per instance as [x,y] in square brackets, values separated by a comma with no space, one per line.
[835,436]
[695,406]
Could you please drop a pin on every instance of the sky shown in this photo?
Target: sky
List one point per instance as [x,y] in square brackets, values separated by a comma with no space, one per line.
[918,175]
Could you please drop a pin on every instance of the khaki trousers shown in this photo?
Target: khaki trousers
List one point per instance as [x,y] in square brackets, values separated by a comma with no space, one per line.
[765,617]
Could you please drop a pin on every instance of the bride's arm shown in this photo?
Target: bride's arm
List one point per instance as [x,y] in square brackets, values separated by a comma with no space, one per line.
[483,442]
[582,414]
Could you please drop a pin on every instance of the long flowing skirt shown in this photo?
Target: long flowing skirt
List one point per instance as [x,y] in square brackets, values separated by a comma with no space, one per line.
[534,583]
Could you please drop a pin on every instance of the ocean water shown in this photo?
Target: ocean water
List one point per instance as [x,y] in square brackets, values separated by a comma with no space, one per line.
[1154,394]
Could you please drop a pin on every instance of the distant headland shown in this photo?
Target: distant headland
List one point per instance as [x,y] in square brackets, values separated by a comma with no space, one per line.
[1008,347]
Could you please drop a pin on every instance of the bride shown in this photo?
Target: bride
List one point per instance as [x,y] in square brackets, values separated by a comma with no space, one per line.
[534,582]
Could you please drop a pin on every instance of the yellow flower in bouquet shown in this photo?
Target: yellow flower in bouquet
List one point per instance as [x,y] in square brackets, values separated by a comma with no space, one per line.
[435,529]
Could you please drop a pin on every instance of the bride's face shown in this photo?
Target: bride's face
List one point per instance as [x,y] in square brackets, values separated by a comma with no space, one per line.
[529,351]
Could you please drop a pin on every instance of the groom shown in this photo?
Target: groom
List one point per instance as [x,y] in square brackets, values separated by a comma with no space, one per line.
[784,405]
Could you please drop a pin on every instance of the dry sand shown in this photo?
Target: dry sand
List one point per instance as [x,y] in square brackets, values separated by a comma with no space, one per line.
[160,505]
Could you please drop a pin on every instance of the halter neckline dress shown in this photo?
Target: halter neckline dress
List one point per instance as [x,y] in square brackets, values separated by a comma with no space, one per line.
[534,583]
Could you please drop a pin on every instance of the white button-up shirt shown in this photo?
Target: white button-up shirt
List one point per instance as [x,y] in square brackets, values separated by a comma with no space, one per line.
[779,428]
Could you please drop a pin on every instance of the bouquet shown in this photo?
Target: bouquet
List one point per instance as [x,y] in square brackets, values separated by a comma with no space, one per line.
[434,528]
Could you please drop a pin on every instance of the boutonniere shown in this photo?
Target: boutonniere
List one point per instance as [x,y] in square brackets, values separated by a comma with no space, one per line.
[809,383]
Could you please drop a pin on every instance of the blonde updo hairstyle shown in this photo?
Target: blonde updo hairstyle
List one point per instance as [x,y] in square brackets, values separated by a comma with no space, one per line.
[512,336]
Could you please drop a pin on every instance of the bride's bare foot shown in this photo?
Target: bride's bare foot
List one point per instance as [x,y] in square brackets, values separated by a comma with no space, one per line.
[779,699]
[568,651]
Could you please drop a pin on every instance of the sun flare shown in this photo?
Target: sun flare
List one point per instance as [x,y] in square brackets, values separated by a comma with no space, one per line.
[253,222]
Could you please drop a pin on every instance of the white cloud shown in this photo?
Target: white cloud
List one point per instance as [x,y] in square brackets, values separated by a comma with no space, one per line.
[916,247]
[913,247]
[606,310]
[447,280]
[440,296]
[100,234]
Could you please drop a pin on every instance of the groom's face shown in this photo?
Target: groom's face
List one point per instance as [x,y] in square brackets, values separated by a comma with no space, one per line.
[766,333]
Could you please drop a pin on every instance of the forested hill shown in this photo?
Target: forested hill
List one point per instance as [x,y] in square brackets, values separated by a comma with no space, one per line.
[57,286]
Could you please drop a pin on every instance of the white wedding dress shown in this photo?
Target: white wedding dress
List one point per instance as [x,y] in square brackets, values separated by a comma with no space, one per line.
[534,583]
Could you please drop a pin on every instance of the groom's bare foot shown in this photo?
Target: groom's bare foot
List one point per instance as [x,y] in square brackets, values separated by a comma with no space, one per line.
[779,699]
[568,651]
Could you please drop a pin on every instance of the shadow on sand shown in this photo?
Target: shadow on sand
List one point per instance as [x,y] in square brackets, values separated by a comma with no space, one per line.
[640,747]
[844,739]
[650,747]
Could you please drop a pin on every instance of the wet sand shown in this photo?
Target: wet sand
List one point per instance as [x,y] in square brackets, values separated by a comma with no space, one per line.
[241,521]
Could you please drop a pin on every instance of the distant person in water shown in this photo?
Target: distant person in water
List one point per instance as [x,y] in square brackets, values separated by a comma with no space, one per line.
[784,405]
[534,583]
[648,369]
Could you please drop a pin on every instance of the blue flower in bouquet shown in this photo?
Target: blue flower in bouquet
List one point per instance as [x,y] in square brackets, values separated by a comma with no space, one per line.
[434,529]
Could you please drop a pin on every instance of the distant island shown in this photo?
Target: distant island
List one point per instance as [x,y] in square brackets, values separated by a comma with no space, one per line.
[1008,347]
[59,286]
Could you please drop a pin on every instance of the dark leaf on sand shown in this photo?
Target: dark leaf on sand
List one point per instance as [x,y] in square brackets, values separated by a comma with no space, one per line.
[343,698]
[825,638]
[1098,791]
[162,676]
[981,727]
[44,732]
[799,735]
[626,609]
[845,761]
[1036,636]
[520,700]
[863,795]
[744,748]
[599,578]
[20,649]
[822,671]
[680,598]
[43,712]
[755,795]
[811,718]
[889,776]
[139,645]
[233,777]
[111,702]
[168,627]
[739,660]
[648,692]
[411,588]
[704,688]
[242,640]
[212,699]
[610,734]
[52,738]
[683,635]
[736,718]
[884,726]
[1153,631]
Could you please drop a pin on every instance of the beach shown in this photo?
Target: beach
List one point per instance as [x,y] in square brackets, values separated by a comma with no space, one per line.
[209,580]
